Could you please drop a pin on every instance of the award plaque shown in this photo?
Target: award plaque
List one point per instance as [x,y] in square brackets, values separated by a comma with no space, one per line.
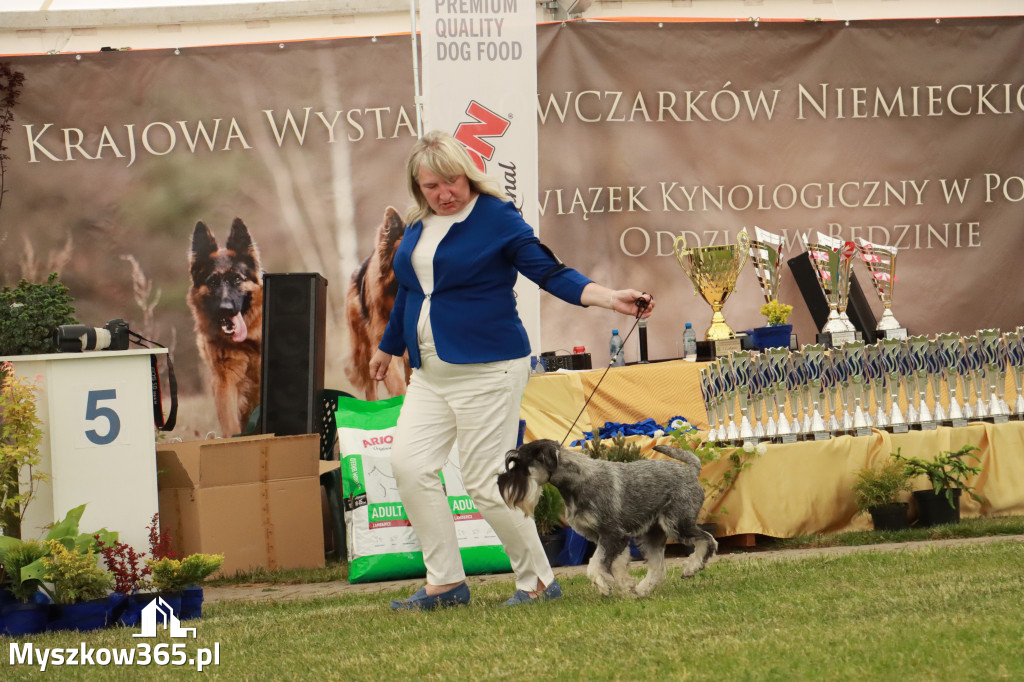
[814,356]
[797,388]
[875,375]
[917,354]
[949,349]
[975,371]
[707,391]
[778,364]
[891,351]
[766,389]
[732,431]
[757,395]
[831,384]
[830,259]
[1015,364]
[714,271]
[991,341]
[881,262]
[740,361]
[855,385]
[933,363]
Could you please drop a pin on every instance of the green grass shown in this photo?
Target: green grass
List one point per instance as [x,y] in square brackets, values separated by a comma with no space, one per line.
[967,528]
[932,613]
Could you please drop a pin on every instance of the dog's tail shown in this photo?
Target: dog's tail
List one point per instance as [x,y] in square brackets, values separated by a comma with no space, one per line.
[684,456]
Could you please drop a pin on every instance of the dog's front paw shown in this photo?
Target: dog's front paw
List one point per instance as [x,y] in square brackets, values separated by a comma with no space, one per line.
[603,586]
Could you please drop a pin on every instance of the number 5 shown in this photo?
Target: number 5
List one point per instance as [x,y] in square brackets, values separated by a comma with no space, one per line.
[94,411]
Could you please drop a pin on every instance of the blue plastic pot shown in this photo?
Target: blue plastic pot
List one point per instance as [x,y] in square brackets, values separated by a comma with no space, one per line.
[773,336]
[23,618]
[81,616]
[191,603]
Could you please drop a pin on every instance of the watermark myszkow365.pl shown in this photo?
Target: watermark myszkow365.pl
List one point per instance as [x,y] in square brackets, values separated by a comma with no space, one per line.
[157,613]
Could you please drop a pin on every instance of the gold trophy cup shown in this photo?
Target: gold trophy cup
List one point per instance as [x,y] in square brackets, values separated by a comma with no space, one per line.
[714,271]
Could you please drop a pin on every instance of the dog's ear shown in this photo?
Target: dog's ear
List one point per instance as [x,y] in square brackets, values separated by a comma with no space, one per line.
[203,243]
[200,258]
[548,455]
[511,459]
[392,231]
[241,243]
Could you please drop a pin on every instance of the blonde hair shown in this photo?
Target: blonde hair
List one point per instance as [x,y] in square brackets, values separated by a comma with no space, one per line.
[444,156]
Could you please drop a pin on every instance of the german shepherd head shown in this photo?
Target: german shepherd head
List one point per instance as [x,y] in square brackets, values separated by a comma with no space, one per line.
[368,303]
[226,300]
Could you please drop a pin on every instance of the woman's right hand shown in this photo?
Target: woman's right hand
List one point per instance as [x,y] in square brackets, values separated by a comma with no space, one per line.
[379,364]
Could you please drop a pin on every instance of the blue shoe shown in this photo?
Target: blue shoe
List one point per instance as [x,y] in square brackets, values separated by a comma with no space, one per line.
[552,591]
[421,601]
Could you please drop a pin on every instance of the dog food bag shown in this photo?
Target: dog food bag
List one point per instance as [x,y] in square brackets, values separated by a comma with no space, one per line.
[380,541]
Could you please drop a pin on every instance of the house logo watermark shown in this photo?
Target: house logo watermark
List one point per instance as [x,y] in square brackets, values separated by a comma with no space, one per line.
[159,612]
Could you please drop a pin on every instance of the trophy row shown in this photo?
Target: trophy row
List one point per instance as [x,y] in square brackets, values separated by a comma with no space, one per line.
[815,394]
[714,271]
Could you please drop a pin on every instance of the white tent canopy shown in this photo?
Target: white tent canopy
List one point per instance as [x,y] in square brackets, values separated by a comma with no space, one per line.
[40,26]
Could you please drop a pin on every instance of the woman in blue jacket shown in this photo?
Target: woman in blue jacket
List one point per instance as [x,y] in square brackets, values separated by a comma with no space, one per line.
[455,313]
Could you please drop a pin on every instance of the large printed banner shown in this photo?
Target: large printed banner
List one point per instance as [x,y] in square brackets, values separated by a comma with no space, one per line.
[479,65]
[128,170]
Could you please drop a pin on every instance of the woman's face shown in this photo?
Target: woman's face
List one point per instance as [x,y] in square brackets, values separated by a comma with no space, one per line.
[444,197]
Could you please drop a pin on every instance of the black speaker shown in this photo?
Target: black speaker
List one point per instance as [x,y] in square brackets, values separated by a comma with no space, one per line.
[857,308]
[292,375]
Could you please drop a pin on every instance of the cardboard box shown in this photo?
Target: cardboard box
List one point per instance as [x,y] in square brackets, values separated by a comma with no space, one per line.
[254,499]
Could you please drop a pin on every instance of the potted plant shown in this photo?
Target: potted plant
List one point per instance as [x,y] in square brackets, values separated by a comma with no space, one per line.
[182,579]
[22,613]
[21,432]
[131,581]
[548,517]
[80,587]
[30,312]
[619,451]
[878,491]
[777,332]
[947,475]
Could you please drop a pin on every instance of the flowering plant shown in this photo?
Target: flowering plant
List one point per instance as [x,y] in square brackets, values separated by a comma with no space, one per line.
[776,312]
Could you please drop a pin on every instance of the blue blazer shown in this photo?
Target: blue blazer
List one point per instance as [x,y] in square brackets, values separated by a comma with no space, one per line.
[473,308]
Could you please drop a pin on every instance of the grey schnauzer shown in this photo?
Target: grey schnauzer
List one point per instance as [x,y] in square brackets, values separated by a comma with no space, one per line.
[651,500]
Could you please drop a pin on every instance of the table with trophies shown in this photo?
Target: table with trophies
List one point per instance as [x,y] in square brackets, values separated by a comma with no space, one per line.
[825,410]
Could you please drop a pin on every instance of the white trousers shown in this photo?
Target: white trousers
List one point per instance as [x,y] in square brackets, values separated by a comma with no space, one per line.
[476,406]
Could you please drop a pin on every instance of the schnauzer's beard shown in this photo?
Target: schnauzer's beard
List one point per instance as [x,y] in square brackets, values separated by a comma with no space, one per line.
[528,499]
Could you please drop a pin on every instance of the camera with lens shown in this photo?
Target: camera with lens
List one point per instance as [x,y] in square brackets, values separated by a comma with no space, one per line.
[75,338]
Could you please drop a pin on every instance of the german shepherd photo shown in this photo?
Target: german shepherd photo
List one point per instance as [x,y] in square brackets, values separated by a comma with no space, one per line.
[226,300]
[368,303]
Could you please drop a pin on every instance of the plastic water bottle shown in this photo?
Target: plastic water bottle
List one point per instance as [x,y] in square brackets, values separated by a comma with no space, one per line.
[615,349]
[689,342]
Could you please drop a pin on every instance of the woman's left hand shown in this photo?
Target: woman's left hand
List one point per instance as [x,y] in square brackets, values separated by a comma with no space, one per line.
[625,301]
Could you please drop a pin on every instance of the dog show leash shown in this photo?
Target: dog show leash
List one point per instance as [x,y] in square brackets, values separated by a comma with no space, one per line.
[641,304]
